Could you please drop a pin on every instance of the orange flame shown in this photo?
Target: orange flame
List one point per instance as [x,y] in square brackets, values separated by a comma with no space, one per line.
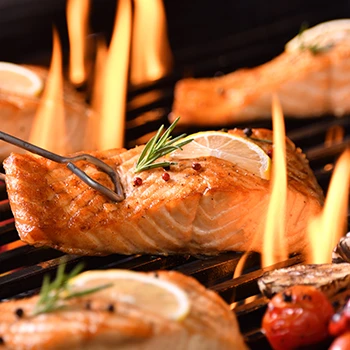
[151,56]
[325,230]
[274,248]
[115,79]
[50,117]
[77,22]
[92,134]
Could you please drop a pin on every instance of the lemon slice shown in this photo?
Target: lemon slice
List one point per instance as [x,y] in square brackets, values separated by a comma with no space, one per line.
[19,80]
[145,291]
[322,35]
[235,149]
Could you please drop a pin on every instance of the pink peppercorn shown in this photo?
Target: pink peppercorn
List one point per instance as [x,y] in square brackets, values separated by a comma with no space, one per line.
[166,176]
[196,166]
[137,181]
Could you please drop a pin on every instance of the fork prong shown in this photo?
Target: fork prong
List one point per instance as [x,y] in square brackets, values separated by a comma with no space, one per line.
[117,196]
[94,184]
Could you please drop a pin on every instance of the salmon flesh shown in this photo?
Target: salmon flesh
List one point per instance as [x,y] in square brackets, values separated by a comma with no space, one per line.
[308,84]
[220,207]
[102,321]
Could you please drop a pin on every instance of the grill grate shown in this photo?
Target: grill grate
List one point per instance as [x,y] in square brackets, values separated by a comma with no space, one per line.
[22,267]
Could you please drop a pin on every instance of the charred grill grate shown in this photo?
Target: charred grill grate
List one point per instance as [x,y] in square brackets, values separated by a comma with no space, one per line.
[22,268]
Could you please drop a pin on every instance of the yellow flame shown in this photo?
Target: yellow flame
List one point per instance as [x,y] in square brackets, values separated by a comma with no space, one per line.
[48,129]
[92,133]
[115,80]
[77,23]
[151,56]
[325,230]
[274,247]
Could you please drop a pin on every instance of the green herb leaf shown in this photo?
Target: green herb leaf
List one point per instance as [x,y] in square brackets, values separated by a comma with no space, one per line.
[54,294]
[159,146]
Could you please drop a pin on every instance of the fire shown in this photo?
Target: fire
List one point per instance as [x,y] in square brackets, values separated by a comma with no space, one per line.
[151,59]
[325,230]
[274,247]
[92,130]
[151,55]
[115,80]
[77,22]
[48,130]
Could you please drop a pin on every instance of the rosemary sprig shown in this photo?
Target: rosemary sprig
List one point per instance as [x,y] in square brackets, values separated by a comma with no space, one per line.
[54,294]
[158,146]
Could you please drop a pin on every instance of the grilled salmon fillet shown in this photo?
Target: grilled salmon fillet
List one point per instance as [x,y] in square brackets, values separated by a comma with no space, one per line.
[218,208]
[90,323]
[309,81]
[17,114]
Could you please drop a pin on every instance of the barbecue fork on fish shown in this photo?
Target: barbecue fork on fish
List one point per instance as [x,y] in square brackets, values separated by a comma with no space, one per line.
[117,195]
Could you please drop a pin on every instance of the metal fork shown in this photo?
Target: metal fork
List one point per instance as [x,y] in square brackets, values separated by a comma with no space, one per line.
[116,196]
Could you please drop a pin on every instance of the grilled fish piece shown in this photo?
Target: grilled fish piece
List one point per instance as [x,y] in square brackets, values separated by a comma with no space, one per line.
[219,208]
[330,278]
[210,323]
[309,82]
[17,114]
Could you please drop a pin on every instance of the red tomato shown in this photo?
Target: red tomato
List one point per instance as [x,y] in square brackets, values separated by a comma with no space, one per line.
[297,317]
[340,322]
[341,343]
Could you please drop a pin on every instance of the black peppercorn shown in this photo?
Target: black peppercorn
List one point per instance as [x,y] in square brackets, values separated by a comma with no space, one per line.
[248,132]
[88,305]
[287,297]
[110,308]
[19,312]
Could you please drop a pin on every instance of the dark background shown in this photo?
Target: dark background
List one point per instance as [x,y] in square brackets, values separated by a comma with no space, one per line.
[193,26]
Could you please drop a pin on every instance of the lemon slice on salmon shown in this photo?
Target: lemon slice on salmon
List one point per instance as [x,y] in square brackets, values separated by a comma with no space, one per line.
[145,291]
[20,80]
[235,149]
[323,35]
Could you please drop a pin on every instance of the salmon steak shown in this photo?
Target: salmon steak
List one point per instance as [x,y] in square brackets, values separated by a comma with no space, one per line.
[104,321]
[18,114]
[220,207]
[311,78]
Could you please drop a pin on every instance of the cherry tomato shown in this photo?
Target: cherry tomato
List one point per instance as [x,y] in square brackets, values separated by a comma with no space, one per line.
[297,317]
[341,343]
[340,322]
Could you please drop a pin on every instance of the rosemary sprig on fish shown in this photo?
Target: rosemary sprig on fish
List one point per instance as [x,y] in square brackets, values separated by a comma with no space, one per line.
[159,146]
[54,294]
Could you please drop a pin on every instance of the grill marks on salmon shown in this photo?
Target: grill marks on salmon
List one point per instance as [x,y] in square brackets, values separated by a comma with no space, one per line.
[219,208]
[307,84]
[210,323]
